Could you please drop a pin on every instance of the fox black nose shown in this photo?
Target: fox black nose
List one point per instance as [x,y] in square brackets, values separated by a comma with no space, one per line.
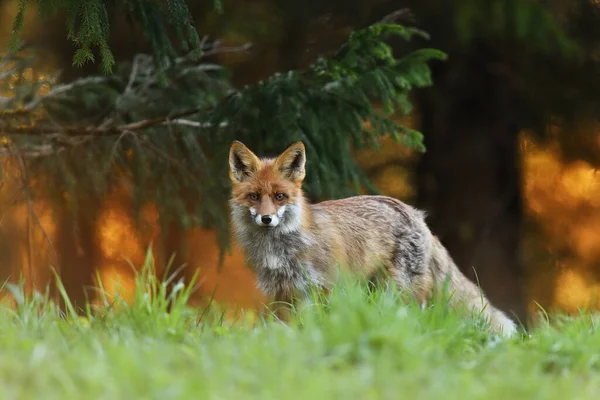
[266,219]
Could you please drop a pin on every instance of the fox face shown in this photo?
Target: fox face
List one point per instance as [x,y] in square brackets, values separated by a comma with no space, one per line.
[268,192]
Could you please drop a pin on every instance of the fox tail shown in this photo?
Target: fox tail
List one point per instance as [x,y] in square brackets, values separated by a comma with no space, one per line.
[464,292]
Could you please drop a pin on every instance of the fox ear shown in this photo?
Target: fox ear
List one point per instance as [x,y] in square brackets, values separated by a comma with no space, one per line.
[242,162]
[291,162]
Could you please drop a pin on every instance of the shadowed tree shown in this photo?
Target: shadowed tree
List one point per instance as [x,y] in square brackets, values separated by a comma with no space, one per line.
[513,65]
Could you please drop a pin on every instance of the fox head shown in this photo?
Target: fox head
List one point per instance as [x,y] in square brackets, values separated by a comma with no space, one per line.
[267,192]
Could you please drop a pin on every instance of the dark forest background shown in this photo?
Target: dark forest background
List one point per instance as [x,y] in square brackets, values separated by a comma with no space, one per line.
[509,124]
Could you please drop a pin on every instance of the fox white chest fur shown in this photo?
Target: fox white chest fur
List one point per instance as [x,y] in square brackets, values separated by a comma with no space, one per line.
[277,254]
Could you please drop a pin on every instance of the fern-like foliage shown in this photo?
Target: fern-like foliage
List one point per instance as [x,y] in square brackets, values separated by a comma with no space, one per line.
[334,105]
[170,142]
[88,25]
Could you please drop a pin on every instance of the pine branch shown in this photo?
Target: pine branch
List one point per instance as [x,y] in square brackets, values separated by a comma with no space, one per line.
[404,14]
[76,131]
[89,27]
[62,89]
[170,140]
[59,132]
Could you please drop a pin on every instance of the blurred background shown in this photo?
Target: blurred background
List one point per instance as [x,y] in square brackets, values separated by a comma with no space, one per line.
[509,177]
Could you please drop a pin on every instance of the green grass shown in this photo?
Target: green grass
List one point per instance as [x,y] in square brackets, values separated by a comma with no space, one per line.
[357,344]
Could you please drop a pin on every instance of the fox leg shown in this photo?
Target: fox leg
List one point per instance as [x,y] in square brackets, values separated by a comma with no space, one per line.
[409,267]
[415,288]
[281,306]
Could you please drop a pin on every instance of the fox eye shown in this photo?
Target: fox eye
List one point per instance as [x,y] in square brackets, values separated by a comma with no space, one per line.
[253,196]
[279,196]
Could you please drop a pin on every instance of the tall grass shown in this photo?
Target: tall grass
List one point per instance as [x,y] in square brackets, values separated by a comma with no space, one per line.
[357,342]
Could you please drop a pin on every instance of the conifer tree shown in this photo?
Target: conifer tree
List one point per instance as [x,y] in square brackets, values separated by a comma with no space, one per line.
[88,24]
[167,130]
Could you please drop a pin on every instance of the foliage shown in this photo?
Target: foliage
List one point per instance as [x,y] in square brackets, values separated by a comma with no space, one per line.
[357,343]
[511,21]
[332,106]
[170,141]
[542,54]
[88,24]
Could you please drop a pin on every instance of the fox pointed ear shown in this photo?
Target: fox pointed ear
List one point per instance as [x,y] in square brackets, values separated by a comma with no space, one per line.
[242,162]
[291,162]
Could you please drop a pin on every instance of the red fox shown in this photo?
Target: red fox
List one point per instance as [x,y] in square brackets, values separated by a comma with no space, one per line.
[293,245]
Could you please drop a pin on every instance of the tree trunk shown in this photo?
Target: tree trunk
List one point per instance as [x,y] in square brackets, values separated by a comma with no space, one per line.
[292,48]
[77,249]
[469,182]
